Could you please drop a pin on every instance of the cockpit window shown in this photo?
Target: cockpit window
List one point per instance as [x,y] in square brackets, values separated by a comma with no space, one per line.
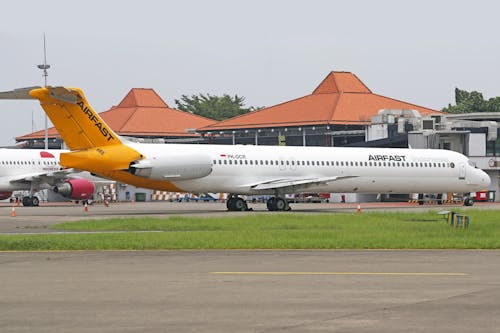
[472,164]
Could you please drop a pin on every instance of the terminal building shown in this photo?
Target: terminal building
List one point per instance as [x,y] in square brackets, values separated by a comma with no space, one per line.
[336,113]
[341,111]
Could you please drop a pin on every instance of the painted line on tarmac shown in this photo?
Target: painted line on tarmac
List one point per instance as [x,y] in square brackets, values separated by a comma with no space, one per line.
[346,273]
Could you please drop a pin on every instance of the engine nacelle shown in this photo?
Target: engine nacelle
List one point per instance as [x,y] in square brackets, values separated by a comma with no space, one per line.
[5,195]
[76,189]
[174,167]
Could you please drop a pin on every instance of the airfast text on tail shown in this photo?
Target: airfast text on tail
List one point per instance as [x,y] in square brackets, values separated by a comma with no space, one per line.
[78,124]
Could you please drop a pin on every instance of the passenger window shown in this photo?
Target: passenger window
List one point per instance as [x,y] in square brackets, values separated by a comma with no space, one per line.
[225,161]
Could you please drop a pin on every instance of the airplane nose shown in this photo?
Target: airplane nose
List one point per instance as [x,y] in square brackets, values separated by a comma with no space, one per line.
[485,179]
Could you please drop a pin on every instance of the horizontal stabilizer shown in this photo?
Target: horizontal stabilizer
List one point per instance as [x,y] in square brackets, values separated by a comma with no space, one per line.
[21,93]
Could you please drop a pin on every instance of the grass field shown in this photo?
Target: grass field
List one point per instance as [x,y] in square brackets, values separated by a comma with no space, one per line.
[271,231]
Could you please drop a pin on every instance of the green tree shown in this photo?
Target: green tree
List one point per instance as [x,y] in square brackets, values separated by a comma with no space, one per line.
[468,102]
[214,107]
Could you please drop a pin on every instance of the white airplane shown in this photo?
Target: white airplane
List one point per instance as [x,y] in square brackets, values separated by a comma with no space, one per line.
[33,170]
[271,170]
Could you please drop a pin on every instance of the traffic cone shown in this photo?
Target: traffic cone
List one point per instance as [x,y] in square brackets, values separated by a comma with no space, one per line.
[359,209]
[13,212]
[85,208]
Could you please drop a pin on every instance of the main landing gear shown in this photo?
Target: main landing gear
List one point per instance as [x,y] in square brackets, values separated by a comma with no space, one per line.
[236,204]
[31,201]
[277,204]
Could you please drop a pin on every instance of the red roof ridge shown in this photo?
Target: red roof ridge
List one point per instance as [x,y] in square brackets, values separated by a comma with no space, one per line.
[142,97]
[334,108]
[336,82]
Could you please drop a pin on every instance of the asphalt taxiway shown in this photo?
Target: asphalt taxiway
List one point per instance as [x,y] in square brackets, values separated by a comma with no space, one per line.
[241,291]
[250,291]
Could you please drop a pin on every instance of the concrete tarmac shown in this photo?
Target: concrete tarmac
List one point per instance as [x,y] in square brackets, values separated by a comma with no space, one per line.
[250,291]
[241,291]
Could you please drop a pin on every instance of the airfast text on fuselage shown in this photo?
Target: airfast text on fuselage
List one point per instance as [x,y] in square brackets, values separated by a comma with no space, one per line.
[395,158]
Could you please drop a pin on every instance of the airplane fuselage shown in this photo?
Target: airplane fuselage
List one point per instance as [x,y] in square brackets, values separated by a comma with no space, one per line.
[15,163]
[241,169]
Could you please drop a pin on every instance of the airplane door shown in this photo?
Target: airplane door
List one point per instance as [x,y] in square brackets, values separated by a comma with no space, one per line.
[461,171]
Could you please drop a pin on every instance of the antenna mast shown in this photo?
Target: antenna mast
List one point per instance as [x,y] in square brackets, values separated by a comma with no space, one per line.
[44,68]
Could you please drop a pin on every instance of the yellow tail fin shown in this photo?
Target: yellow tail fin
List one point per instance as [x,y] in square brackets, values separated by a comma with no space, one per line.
[78,124]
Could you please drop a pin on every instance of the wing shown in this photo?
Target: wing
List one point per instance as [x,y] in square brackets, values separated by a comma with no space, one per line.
[50,178]
[296,184]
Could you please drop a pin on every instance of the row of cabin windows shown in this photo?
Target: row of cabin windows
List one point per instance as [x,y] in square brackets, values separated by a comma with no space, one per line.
[29,163]
[338,163]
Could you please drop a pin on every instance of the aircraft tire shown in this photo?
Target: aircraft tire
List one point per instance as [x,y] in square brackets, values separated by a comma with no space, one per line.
[239,205]
[468,201]
[35,201]
[229,203]
[280,204]
[271,204]
[27,201]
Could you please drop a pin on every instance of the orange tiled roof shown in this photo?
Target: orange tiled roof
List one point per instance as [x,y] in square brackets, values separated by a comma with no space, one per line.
[341,98]
[143,113]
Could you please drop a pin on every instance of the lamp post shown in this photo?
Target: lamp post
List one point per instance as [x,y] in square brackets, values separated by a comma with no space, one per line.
[44,68]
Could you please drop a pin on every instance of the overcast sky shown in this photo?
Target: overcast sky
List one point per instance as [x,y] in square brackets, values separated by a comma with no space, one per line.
[268,51]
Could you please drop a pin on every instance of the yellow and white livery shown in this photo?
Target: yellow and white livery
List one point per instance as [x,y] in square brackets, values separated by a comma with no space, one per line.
[237,169]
